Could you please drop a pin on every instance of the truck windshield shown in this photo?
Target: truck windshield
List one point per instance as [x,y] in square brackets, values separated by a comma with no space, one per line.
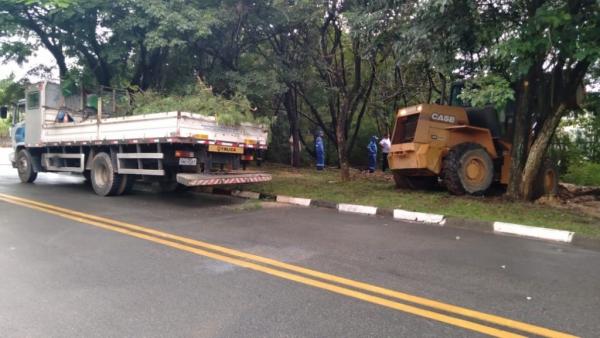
[33,100]
[19,113]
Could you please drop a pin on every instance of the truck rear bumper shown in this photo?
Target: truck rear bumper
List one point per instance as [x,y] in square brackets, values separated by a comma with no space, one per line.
[193,180]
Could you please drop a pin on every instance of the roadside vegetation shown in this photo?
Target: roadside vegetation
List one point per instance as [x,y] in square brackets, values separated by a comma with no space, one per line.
[379,190]
[584,173]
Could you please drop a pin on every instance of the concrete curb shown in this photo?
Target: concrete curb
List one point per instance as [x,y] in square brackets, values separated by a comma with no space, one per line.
[305,202]
[419,217]
[534,232]
[357,209]
[501,228]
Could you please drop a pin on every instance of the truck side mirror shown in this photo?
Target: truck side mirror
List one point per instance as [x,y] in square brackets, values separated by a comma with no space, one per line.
[3,112]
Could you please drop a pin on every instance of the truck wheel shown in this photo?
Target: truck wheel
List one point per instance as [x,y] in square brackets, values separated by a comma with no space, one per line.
[104,180]
[468,169]
[546,183]
[25,166]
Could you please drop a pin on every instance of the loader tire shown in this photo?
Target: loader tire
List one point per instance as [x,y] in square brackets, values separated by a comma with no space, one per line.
[105,180]
[25,166]
[546,182]
[468,169]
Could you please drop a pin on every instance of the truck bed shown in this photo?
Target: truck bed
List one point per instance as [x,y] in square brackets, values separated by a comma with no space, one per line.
[152,128]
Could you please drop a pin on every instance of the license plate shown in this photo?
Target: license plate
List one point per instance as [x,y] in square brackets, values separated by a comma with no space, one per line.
[187,161]
[224,149]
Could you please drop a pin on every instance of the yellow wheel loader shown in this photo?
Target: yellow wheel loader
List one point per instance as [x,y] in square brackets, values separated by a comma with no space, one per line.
[463,147]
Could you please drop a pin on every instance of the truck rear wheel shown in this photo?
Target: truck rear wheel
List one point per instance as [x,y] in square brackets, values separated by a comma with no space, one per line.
[104,179]
[468,169]
[25,166]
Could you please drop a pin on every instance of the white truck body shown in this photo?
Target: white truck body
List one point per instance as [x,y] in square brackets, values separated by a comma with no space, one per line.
[173,147]
[153,126]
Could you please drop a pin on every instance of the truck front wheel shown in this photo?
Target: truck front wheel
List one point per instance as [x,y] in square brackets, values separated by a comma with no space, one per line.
[25,166]
[105,180]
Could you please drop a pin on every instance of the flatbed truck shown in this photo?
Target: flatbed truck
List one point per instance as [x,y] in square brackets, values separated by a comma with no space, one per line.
[176,149]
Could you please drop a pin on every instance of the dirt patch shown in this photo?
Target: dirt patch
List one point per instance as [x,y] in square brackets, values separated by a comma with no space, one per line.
[582,199]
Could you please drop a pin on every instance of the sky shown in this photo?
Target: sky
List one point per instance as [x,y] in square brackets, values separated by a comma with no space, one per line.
[41,57]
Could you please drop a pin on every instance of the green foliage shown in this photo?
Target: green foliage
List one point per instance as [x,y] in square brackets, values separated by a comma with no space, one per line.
[583,173]
[201,100]
[486,90]
[11,91]
[4,128]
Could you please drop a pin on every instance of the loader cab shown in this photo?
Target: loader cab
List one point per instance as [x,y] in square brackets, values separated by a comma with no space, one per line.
[500,123]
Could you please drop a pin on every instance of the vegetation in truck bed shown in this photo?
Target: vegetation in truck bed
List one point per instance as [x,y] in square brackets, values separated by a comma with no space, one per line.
[201,100]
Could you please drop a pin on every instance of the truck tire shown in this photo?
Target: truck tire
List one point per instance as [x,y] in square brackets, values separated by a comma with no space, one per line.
[25,166]
[104,179]
[468,169]
[546,182]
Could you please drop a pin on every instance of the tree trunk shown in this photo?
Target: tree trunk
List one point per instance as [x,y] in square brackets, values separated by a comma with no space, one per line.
[520,140]
[342,147]
[291,107]
[537,151]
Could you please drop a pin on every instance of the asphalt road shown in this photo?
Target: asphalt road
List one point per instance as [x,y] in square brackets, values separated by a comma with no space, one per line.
[71,275]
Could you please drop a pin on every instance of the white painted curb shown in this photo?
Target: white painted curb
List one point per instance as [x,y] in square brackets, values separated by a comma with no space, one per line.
[246,194]
[418,217]
[293,200]
[357,209]
[534,232]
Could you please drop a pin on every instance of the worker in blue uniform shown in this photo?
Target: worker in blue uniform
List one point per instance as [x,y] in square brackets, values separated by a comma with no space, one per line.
[372,149]
[320,151]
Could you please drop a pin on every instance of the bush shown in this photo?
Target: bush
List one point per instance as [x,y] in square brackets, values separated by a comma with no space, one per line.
[583,173]
[4,128]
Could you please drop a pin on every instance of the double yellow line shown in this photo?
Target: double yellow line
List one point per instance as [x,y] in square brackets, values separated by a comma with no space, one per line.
[450,314]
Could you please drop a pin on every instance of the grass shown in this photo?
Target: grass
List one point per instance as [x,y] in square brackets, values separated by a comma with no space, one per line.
[378,190]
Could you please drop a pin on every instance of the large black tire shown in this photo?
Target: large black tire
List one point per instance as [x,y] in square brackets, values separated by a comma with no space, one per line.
[105,180]
[414,182]
[25,166]
[468,169]
[546,182]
